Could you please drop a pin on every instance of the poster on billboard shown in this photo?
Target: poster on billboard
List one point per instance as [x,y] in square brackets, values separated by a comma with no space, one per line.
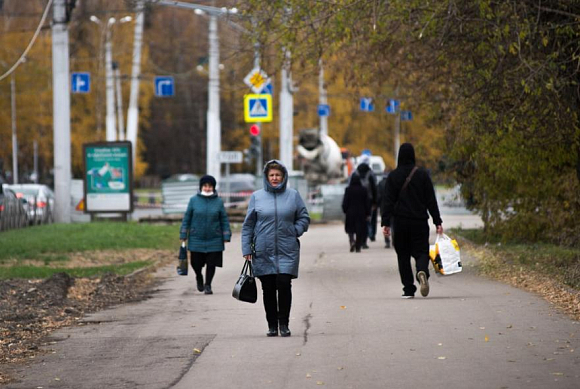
[108,177]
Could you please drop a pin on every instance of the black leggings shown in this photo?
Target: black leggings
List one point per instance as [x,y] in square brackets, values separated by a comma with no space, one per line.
[277,295]
[197,268]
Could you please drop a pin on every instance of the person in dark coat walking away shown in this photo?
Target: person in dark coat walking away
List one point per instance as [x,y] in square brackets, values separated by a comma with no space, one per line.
[409,196]
[369,182]
[205,227]
[276,218]
[357,207]
[381,192]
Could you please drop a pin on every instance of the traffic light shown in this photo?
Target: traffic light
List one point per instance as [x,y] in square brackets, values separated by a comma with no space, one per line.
[255,130]
[255,145]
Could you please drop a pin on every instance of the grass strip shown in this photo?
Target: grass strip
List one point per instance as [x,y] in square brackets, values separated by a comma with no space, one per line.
[550,259]
[36,272]
[52,241]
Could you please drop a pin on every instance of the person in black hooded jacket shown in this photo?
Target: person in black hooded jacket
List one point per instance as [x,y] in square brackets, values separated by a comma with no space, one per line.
[357,207]
[408,207]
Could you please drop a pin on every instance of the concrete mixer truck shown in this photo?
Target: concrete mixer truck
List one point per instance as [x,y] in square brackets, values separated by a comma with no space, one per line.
[320,157]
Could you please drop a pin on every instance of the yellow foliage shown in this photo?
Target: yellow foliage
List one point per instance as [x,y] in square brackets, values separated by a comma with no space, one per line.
[34,89]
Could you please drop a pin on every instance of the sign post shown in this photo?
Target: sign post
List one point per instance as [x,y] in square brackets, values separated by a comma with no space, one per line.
[108,178]
[229,157]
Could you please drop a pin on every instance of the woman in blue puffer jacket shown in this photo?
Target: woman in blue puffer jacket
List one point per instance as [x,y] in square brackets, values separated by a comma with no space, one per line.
[206,223]
[276,218]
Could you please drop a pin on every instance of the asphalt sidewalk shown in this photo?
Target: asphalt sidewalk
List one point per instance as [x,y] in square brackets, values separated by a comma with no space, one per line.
[350,329]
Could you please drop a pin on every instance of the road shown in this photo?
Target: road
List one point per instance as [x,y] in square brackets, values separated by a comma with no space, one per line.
[350,329]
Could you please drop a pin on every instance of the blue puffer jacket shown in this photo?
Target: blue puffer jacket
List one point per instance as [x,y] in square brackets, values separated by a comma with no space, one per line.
[206,223]
[276,218]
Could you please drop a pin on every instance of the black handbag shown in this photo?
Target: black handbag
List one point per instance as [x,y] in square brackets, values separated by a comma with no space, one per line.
[182,265]
[245,288]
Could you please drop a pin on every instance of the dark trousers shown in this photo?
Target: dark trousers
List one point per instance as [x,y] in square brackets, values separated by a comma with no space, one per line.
[372,225]
[209,271]
[277,295]
[411,239]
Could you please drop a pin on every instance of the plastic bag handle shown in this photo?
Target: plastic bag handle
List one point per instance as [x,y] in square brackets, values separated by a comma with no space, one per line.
[442,237]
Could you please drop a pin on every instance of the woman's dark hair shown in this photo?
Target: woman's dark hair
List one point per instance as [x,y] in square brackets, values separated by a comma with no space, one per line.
[274,166]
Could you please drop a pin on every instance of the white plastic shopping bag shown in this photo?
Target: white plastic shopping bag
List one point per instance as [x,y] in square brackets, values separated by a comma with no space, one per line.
[445,255]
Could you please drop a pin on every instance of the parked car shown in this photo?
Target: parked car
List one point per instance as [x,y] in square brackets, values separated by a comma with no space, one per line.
[12,212]
[38,200]
[241,187]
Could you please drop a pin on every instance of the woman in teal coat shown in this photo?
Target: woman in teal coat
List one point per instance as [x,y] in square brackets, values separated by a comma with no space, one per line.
[205,226]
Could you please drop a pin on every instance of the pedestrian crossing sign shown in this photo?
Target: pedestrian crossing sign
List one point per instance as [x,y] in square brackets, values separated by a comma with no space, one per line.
[258,108]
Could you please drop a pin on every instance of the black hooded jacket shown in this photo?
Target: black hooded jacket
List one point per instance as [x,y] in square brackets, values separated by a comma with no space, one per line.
[356,205]
[418,197]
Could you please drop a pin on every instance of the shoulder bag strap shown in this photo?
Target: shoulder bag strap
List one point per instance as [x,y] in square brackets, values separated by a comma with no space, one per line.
[408,180]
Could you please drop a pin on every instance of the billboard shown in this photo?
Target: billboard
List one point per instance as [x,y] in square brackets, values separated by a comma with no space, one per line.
[108,177]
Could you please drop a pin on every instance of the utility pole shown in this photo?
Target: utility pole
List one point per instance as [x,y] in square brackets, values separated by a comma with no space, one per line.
[397,135]
[322,99]
[213,107]
[14,135]
[286,114]
[35,147]
[133,111]
[110,91]
[119,94]
[61,112]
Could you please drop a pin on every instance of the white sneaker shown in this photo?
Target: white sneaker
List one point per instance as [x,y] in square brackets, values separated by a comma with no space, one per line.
[406,296]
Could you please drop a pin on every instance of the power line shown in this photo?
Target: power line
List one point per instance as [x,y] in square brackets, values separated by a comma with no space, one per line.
[13,68]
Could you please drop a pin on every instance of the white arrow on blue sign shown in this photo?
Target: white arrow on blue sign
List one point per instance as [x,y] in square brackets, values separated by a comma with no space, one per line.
[394,106]
[80,82]
[164,86]
[323,110]
[366,104]
[406,115]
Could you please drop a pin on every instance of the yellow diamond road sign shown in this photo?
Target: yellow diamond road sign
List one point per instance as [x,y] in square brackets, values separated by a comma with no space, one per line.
[257,80]
[258,108]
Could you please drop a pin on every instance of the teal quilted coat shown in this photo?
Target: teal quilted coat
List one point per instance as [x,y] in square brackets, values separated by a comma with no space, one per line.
[205,224]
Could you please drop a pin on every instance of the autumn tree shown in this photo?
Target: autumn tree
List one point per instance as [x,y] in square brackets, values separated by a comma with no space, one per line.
[500,77]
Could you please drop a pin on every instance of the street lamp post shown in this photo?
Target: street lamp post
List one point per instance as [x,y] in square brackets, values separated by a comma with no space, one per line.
[213,107]
[14,134]
[111,131]
[119,98]
[213,146]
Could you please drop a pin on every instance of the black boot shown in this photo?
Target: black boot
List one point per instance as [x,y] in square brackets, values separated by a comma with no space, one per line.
[199,280]
[272,331]
[208,289]
[284,330]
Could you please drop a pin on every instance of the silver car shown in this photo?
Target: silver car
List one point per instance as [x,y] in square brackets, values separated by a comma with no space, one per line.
[38,200]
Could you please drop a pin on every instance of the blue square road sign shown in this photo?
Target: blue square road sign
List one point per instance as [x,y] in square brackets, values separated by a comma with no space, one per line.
[393,106]
[164,86]
[366,104]
[323,110]
[80,82]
